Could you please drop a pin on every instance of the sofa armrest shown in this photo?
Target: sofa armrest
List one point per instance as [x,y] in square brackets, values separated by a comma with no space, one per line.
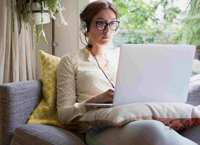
[17,102]
[194,91]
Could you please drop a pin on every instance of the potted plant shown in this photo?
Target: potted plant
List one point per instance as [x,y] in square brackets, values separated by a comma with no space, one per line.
[29,8]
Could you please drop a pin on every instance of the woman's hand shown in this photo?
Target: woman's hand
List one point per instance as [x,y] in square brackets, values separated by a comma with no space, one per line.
[106,97]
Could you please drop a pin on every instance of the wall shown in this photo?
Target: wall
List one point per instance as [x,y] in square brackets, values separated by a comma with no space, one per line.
[67,36]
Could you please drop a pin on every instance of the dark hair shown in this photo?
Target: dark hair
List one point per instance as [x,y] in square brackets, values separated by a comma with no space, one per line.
[95,7]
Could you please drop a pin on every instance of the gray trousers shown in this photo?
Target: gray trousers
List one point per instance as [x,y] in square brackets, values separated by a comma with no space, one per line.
[144,132]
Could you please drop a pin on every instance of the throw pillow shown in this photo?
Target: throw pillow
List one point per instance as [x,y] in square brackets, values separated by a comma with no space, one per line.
[178,116]
[45,112]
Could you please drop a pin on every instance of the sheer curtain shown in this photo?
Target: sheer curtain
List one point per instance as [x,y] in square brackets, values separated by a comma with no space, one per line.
[17,52]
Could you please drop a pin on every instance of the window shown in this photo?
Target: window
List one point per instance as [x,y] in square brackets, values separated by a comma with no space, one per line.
[148,21]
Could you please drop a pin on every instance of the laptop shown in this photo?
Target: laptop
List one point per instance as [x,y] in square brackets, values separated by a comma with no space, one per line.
[152,73]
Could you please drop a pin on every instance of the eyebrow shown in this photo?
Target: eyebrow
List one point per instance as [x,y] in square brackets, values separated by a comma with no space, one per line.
[104,19]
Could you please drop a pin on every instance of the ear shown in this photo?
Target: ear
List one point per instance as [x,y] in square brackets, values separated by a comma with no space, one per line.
[83,27]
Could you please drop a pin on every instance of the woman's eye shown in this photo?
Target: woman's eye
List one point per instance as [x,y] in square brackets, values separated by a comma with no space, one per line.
[112,23]
[101,25]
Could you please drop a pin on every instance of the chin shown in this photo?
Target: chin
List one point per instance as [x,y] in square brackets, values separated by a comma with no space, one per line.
[105,42]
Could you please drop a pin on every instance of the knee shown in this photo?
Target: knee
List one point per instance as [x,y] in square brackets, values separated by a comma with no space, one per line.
[150,126]
[146,128]
[148,132]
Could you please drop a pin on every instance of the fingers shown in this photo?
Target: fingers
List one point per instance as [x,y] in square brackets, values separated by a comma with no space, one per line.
[110,93]
[109,100]
[102,98]
[110,90]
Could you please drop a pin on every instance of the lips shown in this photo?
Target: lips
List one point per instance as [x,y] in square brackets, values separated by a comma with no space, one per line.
[105,37]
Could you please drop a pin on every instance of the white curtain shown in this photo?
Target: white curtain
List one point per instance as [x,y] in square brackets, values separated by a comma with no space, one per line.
[17,52]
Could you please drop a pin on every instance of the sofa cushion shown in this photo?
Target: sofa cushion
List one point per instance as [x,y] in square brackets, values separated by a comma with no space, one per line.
[46,112]
[44,135]
[193,133]
[194,91]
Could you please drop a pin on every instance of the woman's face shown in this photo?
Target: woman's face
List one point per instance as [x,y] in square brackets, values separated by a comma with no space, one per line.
[98,37]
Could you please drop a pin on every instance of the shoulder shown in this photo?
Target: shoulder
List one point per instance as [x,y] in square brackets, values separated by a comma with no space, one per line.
[74,56]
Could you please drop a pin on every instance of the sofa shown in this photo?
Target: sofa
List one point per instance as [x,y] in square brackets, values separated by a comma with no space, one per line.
[17,102]
[19,99]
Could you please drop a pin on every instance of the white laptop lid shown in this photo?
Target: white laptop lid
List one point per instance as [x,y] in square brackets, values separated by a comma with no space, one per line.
[153,73]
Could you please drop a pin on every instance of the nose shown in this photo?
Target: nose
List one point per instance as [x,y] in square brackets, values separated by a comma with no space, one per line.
[107,28]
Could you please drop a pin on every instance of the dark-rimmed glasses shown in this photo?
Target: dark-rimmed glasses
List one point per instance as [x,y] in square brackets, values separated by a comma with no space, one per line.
[102,25]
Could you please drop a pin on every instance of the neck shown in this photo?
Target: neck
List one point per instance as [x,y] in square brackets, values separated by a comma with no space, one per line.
[98,50]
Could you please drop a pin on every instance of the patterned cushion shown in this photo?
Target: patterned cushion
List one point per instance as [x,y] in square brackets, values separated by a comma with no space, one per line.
[178,116]
[45,112]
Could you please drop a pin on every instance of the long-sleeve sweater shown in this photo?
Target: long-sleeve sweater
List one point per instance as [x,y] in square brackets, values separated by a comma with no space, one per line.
[79,78]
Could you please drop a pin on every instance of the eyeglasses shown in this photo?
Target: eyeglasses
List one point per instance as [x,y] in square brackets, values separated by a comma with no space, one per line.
[102,25]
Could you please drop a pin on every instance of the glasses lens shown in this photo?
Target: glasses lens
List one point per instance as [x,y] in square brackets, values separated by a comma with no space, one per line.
[113,25]
[101,25]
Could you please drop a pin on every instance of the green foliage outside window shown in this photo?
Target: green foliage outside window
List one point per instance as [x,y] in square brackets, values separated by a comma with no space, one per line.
[190,31]
[139,22]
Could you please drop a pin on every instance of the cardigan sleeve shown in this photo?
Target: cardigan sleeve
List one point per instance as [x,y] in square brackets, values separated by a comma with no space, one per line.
[67,107]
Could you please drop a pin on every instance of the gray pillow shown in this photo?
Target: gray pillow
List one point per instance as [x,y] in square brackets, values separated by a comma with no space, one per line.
[194,91]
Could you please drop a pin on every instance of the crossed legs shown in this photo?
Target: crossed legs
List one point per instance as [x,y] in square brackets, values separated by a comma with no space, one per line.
[145,132]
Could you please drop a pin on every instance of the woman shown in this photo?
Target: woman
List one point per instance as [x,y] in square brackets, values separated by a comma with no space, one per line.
[87,76]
